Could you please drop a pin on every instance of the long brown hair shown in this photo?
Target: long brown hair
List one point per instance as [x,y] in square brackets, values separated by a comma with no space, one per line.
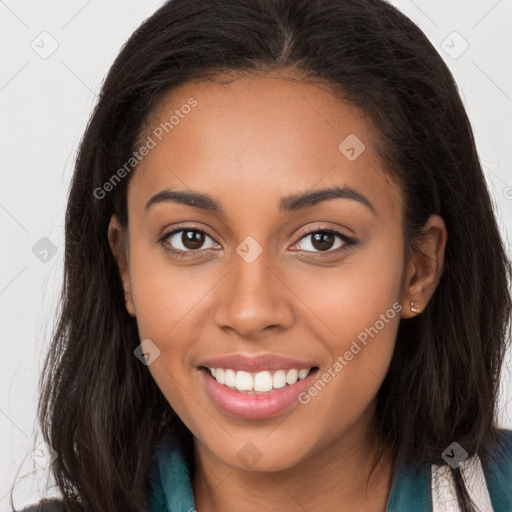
[101,410]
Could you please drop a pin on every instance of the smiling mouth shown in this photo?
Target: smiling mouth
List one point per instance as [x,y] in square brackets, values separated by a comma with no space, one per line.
[267,381]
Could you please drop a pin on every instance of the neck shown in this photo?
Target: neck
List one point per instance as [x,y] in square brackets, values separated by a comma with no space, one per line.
[347,475]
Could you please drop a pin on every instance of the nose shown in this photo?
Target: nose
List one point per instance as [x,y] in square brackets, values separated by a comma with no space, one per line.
[253,299]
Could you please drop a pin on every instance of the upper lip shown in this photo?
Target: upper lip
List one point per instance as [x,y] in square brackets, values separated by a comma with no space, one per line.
[264,362]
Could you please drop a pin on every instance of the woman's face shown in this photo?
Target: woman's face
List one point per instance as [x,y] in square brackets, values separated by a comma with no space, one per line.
[265,279]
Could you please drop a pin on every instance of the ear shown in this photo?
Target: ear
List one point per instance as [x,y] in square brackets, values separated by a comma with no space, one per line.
[424,267]
[118,241]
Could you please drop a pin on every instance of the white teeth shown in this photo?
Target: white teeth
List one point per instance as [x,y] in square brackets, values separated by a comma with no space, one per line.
[220,375]
[302,373]
[243,381]
[279,379]
[292,376]
[230,378]
[260,382]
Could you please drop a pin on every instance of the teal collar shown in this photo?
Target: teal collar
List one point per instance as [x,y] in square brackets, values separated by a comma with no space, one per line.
[172,488]
[410,490]
[172,491]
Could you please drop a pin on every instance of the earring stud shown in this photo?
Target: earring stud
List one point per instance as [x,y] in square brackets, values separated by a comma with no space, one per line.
[415,305]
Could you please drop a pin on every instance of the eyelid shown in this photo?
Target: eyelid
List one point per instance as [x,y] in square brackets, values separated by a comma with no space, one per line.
[319,228]
[186,226]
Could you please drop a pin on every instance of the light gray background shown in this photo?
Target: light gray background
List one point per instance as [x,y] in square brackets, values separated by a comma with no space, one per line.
[45,104]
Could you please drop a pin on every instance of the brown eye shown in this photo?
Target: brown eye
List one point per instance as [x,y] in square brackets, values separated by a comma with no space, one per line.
[187,240]
[322,241]
[325,240]
[192,239]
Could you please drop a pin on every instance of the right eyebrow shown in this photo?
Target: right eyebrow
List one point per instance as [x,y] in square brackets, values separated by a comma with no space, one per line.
[308,199]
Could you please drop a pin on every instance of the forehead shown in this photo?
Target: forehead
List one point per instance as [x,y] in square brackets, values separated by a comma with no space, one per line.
[252,137]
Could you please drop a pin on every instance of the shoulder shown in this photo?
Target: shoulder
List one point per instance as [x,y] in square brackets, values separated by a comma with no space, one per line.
[52,505]
[498,471]
[499,459]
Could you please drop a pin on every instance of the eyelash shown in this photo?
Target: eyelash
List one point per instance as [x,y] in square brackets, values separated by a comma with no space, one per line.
[348,241]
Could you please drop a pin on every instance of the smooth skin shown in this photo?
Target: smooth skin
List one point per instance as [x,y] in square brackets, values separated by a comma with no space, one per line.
[248,143]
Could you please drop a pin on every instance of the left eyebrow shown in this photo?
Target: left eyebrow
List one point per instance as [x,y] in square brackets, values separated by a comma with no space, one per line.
[194,199]
[289,203]
[309,199]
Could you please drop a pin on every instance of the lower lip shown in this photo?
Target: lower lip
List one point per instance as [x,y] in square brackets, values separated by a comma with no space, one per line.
[255,406]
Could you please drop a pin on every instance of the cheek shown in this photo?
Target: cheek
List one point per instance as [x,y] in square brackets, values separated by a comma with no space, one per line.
[168,300]
[167,296]
[356,313]
[346,299]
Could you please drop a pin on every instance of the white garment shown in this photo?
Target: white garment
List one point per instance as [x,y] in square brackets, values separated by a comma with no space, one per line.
[444,497]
